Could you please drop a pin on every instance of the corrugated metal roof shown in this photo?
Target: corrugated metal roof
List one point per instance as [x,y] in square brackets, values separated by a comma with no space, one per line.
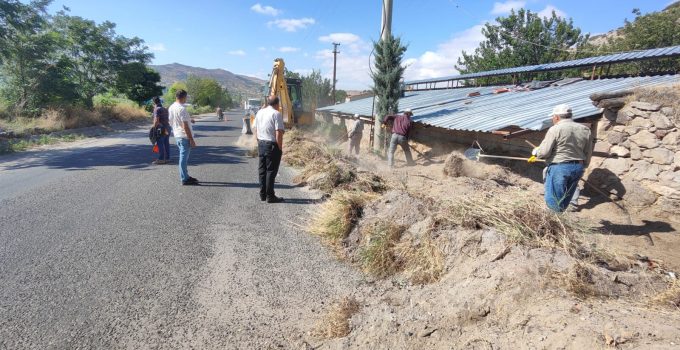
[584,62]
[452,109]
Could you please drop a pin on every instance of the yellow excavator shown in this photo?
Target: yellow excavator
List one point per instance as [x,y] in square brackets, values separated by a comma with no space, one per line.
[289,91]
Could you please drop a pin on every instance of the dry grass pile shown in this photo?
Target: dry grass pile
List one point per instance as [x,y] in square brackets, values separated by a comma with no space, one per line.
[670,296]
[336,323]
[338,215]
[423,260]
[377,252]
[523,221]
[667,96]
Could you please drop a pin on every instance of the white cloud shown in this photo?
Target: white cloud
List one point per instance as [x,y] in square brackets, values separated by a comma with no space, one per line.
[262,48]
[352,73]
[348,42]
[547,12]
[441,62]
[501,8]
[342,38]
[288,49]
[158,47]
[237,53]
[292,24]
[265,10]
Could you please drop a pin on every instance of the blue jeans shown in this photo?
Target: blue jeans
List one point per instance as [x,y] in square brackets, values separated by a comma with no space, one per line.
[184,151]
[163,143]
[403,142]
[561,181]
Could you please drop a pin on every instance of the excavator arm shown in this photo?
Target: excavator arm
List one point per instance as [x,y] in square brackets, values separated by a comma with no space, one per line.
[278,87]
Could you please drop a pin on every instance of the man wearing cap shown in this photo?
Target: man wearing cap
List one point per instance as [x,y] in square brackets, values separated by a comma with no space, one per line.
[567,149]
[400,134]
[355,133]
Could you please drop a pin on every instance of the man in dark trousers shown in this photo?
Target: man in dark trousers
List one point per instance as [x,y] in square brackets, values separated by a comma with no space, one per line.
[567,149]
[269,131]
[401,129]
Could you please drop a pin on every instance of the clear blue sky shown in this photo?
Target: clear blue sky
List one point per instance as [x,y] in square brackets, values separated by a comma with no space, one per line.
[245,36]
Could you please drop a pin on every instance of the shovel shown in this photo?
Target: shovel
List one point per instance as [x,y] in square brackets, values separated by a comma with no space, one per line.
[476,153]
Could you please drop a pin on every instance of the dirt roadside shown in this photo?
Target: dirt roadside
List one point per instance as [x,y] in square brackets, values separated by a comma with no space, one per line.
[491,291]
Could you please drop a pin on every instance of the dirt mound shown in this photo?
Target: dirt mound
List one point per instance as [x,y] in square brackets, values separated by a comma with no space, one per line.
[458,166]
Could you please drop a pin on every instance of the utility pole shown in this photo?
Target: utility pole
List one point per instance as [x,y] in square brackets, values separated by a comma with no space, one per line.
[335,64]
[385,32]
[386,26]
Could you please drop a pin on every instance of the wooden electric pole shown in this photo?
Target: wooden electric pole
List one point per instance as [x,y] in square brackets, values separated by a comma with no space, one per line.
[335,65]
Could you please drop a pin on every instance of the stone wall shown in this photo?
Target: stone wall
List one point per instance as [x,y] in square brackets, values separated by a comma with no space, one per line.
[637,153]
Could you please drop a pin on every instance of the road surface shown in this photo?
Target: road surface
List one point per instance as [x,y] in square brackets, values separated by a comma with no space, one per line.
[101,249]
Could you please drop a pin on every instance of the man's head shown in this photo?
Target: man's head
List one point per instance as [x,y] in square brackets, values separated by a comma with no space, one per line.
[560,112]
[157,101]
[356,117]
[273,101]
[181,96]
[408,112]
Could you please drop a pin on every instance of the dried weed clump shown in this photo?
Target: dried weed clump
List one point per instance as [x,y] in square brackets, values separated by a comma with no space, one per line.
[524,222]
[423,261]
[670,296]
[377,253]
[338,215]
[336,323]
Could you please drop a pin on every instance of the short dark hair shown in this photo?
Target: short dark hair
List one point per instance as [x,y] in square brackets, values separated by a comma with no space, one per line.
[157,101]
[273,100]
[180,94]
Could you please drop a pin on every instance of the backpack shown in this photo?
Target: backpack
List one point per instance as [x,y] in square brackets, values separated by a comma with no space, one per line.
[155,133]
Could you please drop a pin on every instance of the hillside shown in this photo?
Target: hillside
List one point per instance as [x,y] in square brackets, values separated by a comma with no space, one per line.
[248,86]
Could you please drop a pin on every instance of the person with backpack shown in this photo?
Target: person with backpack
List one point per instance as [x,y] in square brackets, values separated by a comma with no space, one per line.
[161,128]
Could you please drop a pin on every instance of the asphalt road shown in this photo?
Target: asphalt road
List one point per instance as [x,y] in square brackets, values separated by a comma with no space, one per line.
[101,249]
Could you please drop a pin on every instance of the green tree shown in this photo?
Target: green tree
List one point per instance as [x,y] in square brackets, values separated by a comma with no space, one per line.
[138,82]
[96,53]
[653,30]
[388,73]
[340,95]
[316,91]
[205,91]
[524,38]
[169,96]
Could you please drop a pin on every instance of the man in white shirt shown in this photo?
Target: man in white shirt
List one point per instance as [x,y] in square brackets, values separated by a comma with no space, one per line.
[180,121]
[269,131]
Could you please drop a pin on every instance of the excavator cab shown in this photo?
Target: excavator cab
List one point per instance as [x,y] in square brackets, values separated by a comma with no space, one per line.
[289,91]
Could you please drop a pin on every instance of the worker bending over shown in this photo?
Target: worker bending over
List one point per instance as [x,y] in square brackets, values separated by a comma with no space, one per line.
[400,134]
[567,149]
[355,133]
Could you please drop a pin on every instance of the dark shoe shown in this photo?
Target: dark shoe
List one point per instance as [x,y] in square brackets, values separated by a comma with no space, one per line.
[193,179]
[275,200]
[189,183]
[263,198]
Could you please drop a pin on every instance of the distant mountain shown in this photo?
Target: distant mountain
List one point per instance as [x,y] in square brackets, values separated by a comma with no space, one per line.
[235,83]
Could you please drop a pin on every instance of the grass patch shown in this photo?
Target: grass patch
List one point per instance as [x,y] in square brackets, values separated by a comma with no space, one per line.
[525,222]
[19,145]
[337,216]
[377,254]
[579,281]
[670,296]
[423,261]
[336,322]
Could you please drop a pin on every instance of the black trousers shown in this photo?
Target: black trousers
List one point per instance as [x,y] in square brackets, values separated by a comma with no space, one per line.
[270,159]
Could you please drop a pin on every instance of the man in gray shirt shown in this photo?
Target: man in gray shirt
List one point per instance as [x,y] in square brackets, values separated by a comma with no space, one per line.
[355,133]
[269,131]
[567,149]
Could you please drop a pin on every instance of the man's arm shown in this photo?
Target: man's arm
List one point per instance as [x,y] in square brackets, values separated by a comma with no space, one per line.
[588,151]
[545,148]
[156,121]
[279,138]
[190,136]
[388,119]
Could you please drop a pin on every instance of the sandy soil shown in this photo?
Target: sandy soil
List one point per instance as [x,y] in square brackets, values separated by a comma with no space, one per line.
[519,300]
